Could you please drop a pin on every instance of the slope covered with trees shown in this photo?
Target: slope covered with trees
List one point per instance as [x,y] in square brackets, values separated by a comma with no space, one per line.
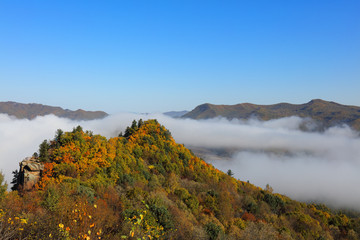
[143,185]
[325,113]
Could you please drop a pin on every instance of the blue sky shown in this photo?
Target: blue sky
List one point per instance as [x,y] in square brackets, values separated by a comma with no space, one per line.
[155,56]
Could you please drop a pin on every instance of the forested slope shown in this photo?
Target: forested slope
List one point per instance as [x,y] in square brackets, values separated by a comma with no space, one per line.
[143,185]
[325,113]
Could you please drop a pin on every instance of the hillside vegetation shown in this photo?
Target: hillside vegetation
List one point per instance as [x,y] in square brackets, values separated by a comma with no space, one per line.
[32,110]
[143,185]
[324,112]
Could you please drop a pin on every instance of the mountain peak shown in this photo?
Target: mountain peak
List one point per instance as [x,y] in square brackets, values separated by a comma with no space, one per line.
[319,101]
[205,110]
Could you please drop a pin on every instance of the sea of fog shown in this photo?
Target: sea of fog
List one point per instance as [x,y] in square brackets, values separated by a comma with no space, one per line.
[307,166]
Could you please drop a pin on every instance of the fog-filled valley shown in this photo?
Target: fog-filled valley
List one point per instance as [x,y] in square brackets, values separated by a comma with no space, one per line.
[196,120]
[307,166]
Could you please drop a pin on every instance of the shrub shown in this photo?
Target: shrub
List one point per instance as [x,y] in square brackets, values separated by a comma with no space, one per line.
[213,230]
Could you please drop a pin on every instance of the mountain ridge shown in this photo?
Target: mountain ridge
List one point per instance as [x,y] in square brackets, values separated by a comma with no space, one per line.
[327,113]
[32,110]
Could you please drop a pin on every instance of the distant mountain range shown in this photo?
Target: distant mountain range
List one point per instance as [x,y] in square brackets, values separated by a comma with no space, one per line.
[176,114]
[32,110]
[326,113]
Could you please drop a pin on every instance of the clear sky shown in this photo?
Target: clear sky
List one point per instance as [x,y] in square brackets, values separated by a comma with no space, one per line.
[155,56]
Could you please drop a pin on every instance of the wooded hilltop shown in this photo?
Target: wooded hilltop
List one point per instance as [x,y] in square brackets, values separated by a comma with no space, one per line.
[144,185]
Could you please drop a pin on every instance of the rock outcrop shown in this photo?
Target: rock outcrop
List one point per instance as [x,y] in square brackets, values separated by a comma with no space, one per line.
[30,173]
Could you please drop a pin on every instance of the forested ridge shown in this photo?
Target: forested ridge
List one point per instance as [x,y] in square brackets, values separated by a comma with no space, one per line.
[33,110]
[324,113]
[144,185]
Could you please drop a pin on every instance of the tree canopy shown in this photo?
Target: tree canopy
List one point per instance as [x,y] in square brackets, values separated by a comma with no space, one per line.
[144,185]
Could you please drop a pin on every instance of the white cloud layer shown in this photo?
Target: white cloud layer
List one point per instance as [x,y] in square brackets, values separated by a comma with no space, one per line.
[303,165]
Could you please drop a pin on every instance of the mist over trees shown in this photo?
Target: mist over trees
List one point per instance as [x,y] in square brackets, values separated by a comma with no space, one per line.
[328,159]
[146,185]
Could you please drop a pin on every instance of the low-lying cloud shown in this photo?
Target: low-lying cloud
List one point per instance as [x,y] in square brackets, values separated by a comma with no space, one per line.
[304,165]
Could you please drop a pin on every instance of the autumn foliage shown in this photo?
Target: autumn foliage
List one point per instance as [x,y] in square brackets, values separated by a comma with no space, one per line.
[143,185]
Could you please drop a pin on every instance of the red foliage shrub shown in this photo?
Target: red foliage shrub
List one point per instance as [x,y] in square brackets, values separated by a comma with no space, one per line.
[248,217]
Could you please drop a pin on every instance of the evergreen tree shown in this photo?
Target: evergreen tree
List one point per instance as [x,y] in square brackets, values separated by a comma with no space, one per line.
[130,130]
[58,137]
[140,123]
[43,151]
[230,173]
[134,125]
[77,129]
[15,180]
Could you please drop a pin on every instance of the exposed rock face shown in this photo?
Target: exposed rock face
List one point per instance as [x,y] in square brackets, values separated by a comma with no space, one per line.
[30,173]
